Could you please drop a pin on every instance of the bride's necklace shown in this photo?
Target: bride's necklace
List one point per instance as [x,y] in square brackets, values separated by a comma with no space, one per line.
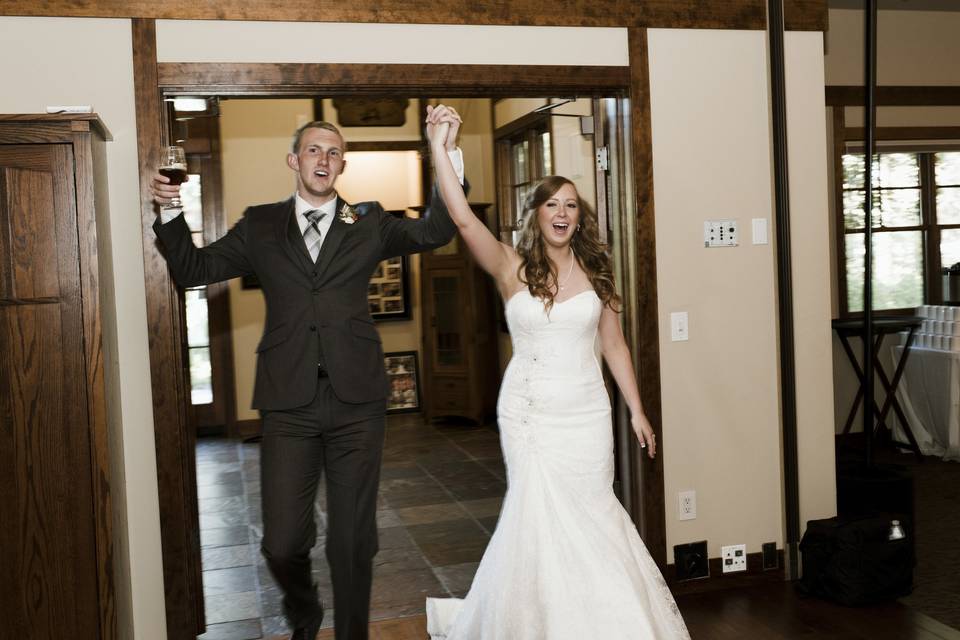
[562,284]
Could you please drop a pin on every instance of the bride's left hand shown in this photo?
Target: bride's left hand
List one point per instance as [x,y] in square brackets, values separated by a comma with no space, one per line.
[646,436]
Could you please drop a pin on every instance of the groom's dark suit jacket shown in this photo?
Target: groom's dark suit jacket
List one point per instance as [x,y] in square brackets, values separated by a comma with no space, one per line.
[316,313]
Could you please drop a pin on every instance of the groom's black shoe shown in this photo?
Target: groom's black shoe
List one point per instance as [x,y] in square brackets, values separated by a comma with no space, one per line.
[310,630]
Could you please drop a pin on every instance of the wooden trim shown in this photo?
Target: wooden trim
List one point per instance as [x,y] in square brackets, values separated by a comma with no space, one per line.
[77,122]
[388,145]
[801,15]
[646,475]
[91,192]
[527,121]
[919,96]
[179,530]
[412,79]
[901,133]
[718,580]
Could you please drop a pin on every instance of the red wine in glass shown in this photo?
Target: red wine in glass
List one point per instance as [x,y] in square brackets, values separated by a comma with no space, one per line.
[173,166]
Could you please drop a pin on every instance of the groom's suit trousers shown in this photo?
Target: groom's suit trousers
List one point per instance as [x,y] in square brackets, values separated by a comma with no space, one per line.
[344,443]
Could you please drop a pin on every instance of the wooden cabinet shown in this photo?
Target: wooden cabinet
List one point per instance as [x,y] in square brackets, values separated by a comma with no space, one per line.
[459,333]
[55,537]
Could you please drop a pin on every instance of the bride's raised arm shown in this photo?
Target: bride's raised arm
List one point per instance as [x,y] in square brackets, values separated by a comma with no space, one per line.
[494,257]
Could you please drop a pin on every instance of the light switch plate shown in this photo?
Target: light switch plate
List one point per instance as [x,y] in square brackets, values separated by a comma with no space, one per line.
[679,326]
[759,230]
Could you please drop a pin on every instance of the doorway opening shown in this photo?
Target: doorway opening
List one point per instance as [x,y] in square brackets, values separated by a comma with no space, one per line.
[439,317]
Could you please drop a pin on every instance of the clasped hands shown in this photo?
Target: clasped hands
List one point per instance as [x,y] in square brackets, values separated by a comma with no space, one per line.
[443,126]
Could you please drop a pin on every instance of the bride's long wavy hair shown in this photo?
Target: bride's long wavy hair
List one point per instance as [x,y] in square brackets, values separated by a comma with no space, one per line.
[538,271]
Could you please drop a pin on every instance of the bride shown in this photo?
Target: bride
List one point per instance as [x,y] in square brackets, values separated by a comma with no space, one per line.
[565,561]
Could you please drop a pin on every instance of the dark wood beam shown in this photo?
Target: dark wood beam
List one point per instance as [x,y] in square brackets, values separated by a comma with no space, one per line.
[647,474]
[919,96]
[903,133]
[175,441]
[411,79]
[801,15]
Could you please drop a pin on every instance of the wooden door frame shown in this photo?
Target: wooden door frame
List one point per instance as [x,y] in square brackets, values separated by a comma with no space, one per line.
[154,81]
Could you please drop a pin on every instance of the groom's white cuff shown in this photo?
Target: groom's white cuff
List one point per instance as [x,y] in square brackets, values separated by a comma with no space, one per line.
[456,159]
[166,215]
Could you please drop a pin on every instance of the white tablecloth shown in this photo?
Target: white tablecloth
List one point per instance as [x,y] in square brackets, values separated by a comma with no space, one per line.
[929,393]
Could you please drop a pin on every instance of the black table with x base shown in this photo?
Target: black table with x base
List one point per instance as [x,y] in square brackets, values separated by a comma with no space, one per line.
[882,327]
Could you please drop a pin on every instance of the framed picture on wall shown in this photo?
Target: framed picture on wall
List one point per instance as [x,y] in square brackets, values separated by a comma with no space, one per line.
[388,293]
[403,381]
[371,112]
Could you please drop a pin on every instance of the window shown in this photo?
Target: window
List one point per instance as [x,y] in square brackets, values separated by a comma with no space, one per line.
[916,227]
[524,156]
[198,324]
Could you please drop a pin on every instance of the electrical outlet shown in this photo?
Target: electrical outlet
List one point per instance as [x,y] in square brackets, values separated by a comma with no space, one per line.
[771,559]
[687,507]
[734,558]
[720,233]
[690,560]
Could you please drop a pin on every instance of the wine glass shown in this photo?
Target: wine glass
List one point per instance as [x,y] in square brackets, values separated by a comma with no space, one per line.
[173,165]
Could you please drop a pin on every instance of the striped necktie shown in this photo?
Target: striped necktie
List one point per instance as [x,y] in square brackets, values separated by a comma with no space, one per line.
[311,236]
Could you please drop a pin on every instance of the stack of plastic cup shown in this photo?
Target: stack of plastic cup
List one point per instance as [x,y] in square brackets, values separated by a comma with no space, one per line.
[940,330]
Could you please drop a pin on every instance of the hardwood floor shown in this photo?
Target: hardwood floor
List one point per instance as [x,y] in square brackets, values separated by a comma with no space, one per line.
[776,612]
[764,612]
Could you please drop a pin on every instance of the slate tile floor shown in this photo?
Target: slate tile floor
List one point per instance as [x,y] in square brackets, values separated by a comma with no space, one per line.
[440,494]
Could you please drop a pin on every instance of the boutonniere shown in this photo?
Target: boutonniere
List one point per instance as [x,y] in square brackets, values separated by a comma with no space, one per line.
[347,214]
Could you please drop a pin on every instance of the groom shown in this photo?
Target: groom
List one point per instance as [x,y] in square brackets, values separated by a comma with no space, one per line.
[320,383]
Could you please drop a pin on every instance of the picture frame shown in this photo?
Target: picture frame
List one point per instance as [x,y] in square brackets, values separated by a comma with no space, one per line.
[388,294]
[403,381]
[371,111]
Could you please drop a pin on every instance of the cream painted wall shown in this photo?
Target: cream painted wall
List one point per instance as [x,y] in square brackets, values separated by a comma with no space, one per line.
[510,109]
[476,142]
[92,64]
[229,41]
[812,283]
[913,48]
[711,151]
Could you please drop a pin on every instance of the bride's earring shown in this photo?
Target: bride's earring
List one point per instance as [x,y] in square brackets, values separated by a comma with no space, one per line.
[578,227]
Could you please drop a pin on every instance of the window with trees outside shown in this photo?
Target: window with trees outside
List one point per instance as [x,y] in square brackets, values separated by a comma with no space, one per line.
[524,156]
[916,228]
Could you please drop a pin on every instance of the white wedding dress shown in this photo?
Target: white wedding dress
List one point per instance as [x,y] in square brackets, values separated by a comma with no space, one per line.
[565,561]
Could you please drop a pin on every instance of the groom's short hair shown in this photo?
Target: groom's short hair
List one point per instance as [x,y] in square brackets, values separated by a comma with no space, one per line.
[316,124]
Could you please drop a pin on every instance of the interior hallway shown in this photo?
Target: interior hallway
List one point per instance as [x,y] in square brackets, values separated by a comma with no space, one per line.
[441,489]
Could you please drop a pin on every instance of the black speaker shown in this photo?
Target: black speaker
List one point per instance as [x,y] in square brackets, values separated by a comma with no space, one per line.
[865,490]
[856,560]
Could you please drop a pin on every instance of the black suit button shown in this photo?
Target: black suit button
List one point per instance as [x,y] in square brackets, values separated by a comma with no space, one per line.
[313,327]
